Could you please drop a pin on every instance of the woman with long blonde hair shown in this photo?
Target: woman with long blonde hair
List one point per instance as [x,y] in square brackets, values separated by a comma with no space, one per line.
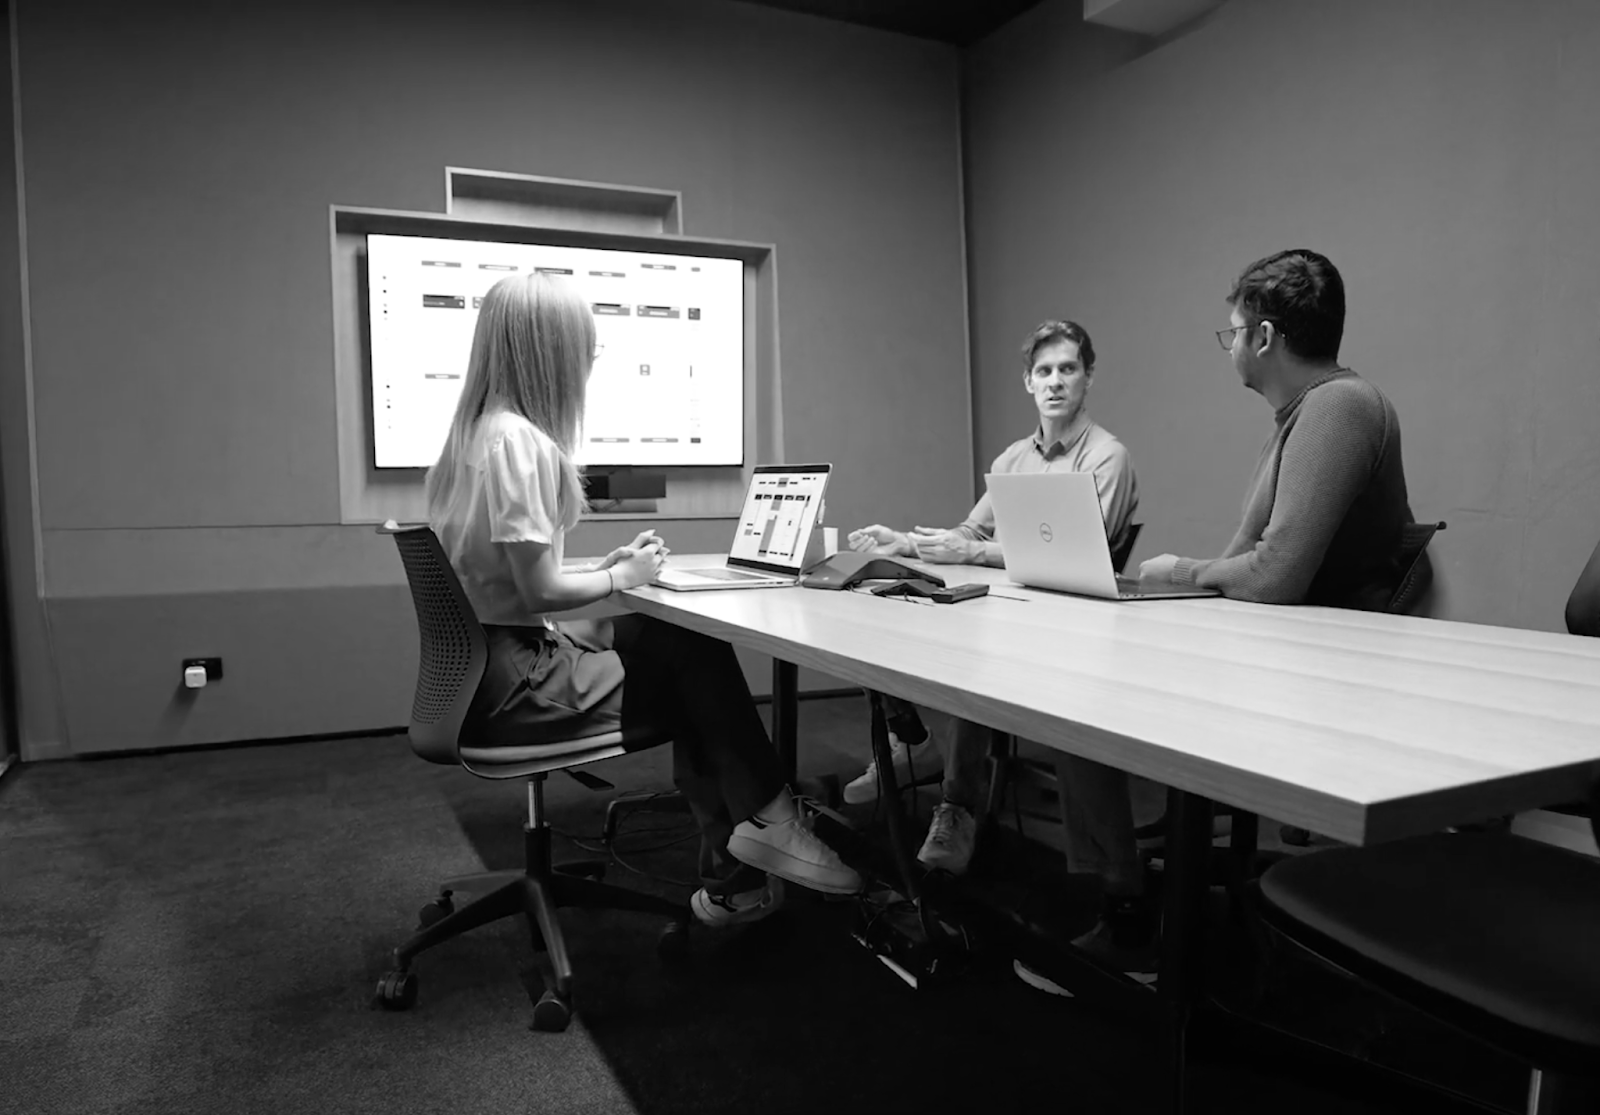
[501,498]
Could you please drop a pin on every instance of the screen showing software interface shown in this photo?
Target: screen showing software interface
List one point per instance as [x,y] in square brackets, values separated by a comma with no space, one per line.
[777,517]
[667,387]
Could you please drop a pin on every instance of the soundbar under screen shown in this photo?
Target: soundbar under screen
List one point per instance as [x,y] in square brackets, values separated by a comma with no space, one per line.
[667,388]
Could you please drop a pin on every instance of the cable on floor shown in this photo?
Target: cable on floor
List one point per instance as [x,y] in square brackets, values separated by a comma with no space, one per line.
[680,832]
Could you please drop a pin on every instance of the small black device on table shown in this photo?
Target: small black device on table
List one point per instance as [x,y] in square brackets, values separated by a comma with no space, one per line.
[939,594]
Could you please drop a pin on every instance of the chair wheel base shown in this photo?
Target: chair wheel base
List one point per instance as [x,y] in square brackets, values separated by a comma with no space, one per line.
[552,1013]
[397,990]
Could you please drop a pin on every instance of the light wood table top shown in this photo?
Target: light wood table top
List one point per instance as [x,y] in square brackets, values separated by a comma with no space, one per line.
[1358,725]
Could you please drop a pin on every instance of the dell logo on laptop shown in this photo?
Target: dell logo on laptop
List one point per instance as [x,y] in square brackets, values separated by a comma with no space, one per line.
[1045,532]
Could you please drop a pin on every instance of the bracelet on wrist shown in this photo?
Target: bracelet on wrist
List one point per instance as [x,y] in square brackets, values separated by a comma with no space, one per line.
[613,578]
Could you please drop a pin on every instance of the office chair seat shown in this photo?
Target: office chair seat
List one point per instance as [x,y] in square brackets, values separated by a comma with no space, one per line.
[1494,934]
[521,760]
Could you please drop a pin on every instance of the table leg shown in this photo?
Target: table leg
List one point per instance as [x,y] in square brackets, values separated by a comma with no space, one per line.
[1183,928]
[786,717]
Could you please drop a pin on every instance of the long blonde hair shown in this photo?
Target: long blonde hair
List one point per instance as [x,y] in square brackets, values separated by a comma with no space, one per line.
[531,353]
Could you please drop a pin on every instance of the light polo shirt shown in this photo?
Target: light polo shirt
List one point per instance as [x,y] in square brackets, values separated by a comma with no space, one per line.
[506,489]
[1086,447]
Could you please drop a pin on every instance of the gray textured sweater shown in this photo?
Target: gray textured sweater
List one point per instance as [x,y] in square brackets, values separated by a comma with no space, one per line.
[1325,506]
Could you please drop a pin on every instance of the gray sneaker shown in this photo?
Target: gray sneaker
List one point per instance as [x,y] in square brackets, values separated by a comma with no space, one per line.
[951,835]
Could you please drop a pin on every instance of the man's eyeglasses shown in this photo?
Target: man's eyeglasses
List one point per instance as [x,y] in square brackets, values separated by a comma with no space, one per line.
[1225,337]
[598,349]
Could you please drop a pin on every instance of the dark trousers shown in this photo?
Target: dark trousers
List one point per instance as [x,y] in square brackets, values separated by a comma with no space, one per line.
[590,677]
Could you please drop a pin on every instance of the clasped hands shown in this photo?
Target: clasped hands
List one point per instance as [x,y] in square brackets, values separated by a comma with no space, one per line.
[930,544]
[638,561]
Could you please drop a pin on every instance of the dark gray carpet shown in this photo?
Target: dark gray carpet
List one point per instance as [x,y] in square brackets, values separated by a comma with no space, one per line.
[201,931]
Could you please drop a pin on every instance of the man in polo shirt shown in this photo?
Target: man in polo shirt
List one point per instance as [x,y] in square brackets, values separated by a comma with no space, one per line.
[1058,368]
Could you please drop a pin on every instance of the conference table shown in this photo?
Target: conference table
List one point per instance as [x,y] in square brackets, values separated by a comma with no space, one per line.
[1361,726]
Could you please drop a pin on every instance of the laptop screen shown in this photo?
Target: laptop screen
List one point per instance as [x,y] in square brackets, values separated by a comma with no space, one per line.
[780,508]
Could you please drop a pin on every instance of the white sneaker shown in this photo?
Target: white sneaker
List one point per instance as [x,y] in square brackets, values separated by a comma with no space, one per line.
[951,835]
[1035,978]
[720,910]
[865,787]
[790,850]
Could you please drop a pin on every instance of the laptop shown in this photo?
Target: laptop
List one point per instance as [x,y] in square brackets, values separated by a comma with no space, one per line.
[1053,536]
[769,544]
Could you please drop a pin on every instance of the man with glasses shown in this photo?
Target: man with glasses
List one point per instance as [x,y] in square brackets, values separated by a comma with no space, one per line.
[1324,510]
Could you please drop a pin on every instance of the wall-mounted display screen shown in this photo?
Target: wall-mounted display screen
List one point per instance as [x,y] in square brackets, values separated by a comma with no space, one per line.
[668,384]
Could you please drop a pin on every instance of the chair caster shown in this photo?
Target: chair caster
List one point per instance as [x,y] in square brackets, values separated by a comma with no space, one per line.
[673,944]
[435,911]
[397,990]
[552,1013]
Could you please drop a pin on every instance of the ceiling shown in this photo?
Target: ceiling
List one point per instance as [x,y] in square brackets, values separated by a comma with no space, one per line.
[961,22]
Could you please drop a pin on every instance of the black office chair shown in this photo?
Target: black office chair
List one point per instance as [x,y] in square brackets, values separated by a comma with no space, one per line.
[454,650]
[1413,558]
[1120,556]
[1493,934]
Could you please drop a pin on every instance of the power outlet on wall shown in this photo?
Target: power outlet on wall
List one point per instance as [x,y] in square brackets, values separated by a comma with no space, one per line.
[212,666]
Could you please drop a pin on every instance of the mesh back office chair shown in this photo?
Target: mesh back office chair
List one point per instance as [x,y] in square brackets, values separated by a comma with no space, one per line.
[1490,933]
[454,650]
